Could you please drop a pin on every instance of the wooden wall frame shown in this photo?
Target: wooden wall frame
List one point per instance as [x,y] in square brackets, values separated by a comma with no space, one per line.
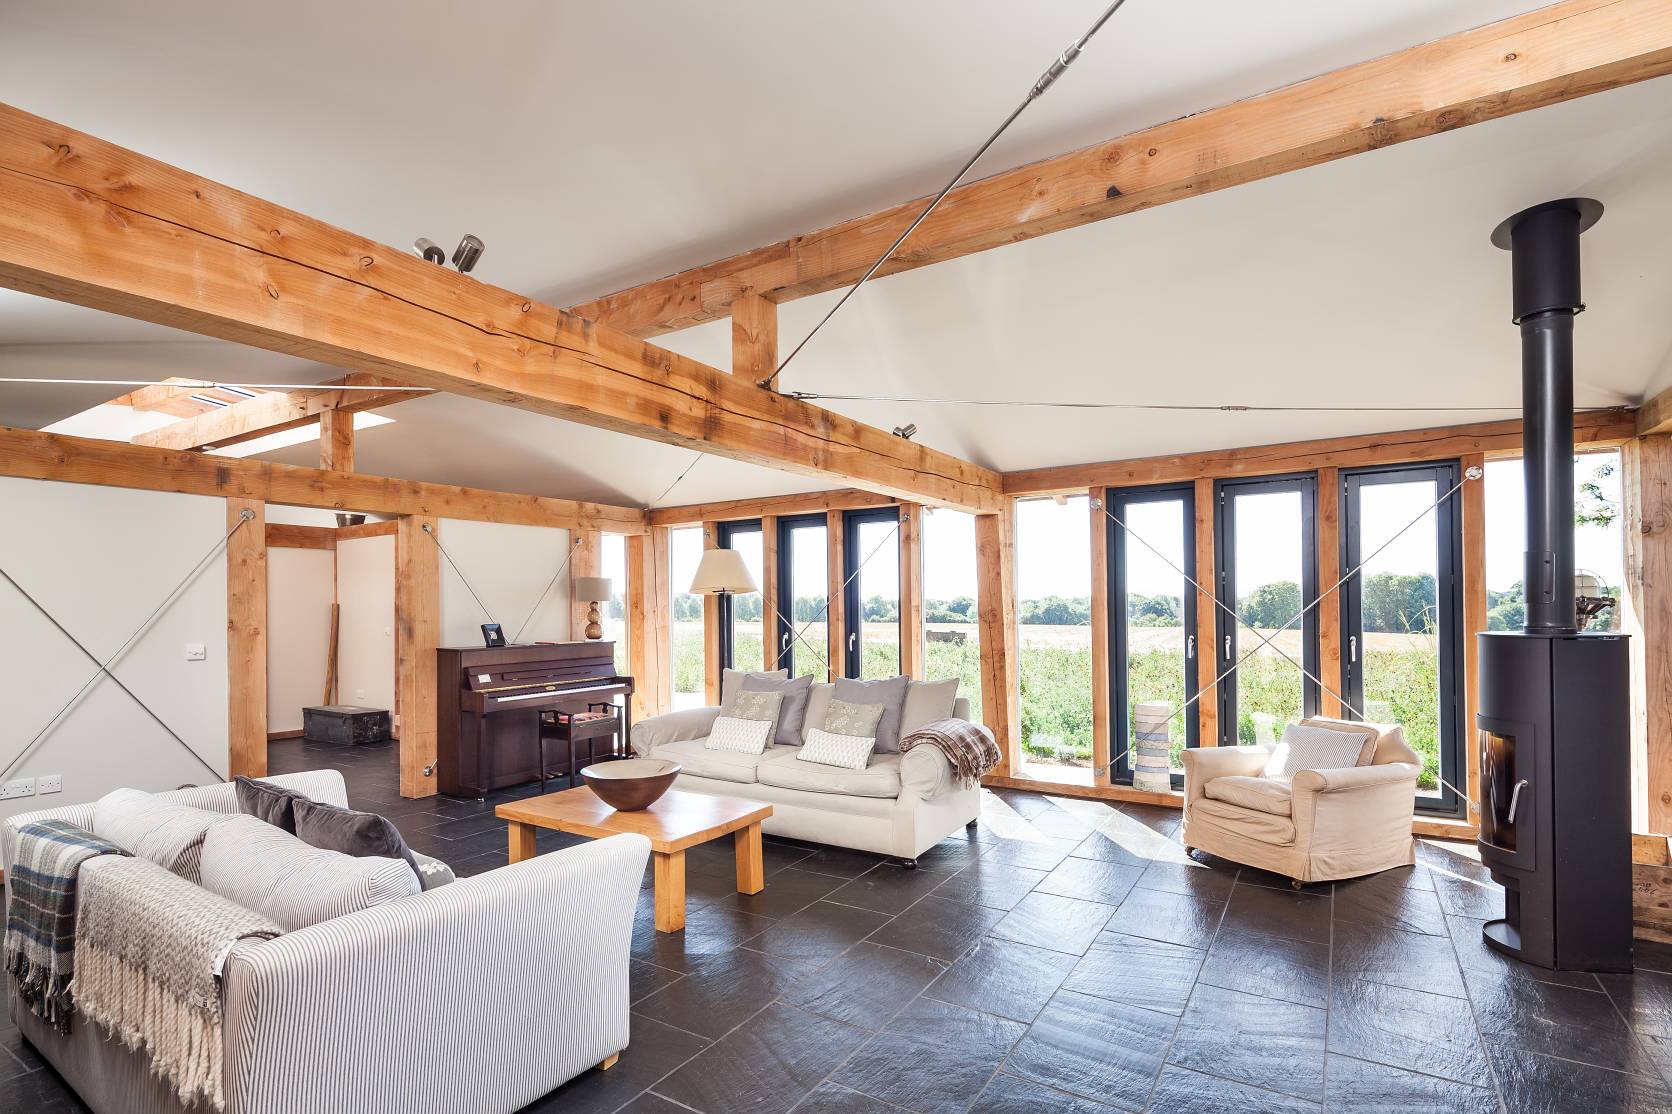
[246,638]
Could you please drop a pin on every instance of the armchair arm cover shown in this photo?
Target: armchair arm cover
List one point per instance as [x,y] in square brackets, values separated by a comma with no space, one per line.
[1354,809]
[482,995]
[925,771]
[1203,764]
[673,727]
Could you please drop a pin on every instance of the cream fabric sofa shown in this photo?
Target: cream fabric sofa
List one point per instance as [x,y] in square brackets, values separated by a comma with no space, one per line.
[1324,824]
[899,805]
[481,995]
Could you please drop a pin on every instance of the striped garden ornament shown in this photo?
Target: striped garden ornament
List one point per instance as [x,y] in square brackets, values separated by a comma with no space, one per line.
[1151,747]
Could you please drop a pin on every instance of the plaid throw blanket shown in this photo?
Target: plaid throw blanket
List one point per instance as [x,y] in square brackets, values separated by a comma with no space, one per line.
[40,924]
[149,947]
[968,746]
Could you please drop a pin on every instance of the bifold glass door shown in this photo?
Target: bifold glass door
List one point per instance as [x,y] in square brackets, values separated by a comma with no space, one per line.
[1401,615]
[1266,550]
[871,554]
[803,590]
[1152,627]
[740,615]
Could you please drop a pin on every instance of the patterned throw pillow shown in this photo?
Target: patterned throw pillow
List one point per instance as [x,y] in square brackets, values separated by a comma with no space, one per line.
[764,705]
[744,736]
[846,718]
[851,752]
[1316,748]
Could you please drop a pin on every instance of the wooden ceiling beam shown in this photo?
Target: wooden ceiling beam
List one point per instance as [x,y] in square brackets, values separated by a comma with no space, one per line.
[86,221]
[272,413]
[814,502]
[1655,415]
[1555,54]
[31,454]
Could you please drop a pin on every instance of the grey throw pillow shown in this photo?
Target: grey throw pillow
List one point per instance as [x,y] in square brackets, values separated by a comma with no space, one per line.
[792,713]
[266,801]
[731,683]
[432,872]
[890,693]
[360,834]
[854,720]
[758,706]
[926,702]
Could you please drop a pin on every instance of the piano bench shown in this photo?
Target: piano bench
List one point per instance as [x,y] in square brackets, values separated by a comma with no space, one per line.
[600,721]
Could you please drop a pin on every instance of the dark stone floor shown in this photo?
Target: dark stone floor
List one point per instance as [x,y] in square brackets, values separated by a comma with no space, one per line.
[1066,956]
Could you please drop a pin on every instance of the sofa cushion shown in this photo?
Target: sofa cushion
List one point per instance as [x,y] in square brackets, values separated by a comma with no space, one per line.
[432,872]
[827,748]
[927,701]
[927,772]
[731,682]
[792,712]
[818,705]
[1321,747]
[262,868]
[1262,794]
[890,692]
[1262,827]
[353,833]
[721,765]
[739,736]
[881,778]
[169,835]
[266,801]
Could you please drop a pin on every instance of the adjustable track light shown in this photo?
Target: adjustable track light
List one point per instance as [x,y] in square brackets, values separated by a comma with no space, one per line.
[464,256]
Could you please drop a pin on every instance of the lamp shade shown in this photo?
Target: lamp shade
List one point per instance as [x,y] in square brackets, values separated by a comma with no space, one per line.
[722,571]
[593,588]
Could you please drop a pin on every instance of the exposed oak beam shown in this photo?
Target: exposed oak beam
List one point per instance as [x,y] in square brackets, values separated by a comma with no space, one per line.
[85,221]
[336,440]
[1655,415]
[732,509]
[1555,54]
[271,413]
[54,456]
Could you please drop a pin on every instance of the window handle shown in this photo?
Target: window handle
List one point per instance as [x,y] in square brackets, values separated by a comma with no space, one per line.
[784,641]
[1190,646]
[1227,647]
[1352,648]
[852,637]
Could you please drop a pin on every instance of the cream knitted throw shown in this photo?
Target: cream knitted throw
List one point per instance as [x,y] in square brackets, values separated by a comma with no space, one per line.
[148,952]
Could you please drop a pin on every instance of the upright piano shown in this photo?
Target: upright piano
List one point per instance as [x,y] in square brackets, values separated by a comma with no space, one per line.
[489,703]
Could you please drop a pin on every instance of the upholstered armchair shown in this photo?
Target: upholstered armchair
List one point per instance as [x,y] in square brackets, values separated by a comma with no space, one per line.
[1317,825]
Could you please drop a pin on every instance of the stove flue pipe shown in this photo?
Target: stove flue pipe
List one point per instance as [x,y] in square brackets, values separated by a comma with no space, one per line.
[1544,246]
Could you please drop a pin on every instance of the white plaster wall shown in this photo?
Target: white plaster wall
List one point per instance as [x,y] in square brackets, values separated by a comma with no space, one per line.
[509,566]
[300,585]
[366,621]
[100,559]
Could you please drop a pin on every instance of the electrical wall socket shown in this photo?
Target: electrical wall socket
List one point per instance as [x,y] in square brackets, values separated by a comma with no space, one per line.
[49,783]
[22,787]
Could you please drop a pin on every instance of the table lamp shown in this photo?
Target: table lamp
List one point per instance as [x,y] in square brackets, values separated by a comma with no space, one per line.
[593,589]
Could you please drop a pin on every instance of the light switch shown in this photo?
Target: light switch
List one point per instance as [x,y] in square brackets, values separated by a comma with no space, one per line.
[196,651]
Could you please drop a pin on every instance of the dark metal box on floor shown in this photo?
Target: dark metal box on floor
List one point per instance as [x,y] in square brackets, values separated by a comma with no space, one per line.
[345,723]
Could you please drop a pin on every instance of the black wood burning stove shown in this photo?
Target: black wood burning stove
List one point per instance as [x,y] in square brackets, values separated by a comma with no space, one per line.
[1554,730]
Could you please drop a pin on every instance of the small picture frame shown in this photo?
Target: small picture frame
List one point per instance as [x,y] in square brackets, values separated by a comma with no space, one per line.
[493,636]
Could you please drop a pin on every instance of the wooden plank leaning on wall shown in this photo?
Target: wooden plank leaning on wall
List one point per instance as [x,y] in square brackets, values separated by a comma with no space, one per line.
[246,638]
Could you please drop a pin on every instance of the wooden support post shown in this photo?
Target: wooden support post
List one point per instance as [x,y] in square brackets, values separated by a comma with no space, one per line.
[649,659]
[754,338]
[835,616]
[1473,506]
[770,604]
[417,634]
[585,559]
[1329,571]
[246,638]
[911,590]
[1103,729]
[1647,617]
[711,663]
[336,441]
[1207,618]
[995,570]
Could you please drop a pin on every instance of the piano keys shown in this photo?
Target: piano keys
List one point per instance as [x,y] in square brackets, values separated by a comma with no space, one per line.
[489,703]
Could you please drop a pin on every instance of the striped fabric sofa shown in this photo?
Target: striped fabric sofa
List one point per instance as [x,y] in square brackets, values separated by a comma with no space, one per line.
[482,995]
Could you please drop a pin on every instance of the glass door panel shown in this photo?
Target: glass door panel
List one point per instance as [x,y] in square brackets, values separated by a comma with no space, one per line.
[1053,637]
[1401,615]
[740,615]
[685,642]
[1152,622]
[871,551]
[951,620]
[803,590]
[1266,550]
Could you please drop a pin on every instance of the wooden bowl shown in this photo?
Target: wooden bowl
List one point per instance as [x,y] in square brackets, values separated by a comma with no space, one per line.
[630,784]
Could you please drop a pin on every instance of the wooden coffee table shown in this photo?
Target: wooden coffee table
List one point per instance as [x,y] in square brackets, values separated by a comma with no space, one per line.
[675,822]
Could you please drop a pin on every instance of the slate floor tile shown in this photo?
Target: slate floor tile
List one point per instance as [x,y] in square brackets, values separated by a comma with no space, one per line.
[788,891]
[1391,899]
[887,888]
[992,884]
[1532,1083]
[1181,1091]
[935,1058]
[818,933]
[1090,880]
[1473,954]
[1410,1029]
[652,1052]
[1174,918]
[1189,878]
[769,1063]
[1645,998]
[833,1099]
[866,985]
[1462,897]
[1062,924]
[1580,1025]
[1003,977]
[645,979]
[1007,1094]
[1413,960]
[721,991]
[950,855]
[708,931]
[1276,1046]
[1272,912]
[938,927]
[841,862]
[1358,1085]
[1140,972]
[1269,966]
[1042,853]
[1094,1049]
[1136,849]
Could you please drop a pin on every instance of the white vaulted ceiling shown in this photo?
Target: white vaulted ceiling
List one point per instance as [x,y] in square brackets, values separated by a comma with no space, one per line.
[594,145]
